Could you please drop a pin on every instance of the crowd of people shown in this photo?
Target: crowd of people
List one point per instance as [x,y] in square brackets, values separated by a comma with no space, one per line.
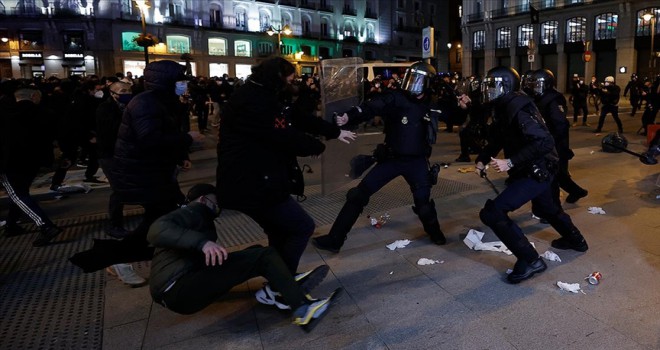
[137,131]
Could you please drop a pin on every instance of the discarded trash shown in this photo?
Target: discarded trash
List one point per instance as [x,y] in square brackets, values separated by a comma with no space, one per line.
[570,287]
[378,223]
[551,256]
[594,278]
[400,243]
[466,170]
[473,241]
[592,152]
[391,272]
[425,261]
[445,165]
[596,210]
[535,217]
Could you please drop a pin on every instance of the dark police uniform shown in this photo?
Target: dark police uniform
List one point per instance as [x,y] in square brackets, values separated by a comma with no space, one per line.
[609,98]
[521,133]
[410,129]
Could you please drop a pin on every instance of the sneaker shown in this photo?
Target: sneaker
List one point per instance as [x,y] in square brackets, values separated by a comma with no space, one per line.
[523,270]
[267,296]
[574,197]
[46,235]
[93,180]
[311,279]
[564,243]
[127,274]
[306,315]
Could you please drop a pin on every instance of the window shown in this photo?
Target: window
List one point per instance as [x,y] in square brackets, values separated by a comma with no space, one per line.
[348,29]
[644,27]
[217,47]
[215,18]
[400,4]
[605,26]
[74,41]
[325,31]
[416,6]
[549,32]
[127,43]
[243,70]
[243,48]
[503,39]
[135,67]
[478,40]
[218,69]
[31,41]
[265,49]
[371,35]
[306,26]
[178,44]
[576,29]
[324,52]
[240,19]
[525,33]
[264,21]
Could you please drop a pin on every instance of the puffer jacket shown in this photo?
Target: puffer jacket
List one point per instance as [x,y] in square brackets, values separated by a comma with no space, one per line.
[150,142]
[179,237]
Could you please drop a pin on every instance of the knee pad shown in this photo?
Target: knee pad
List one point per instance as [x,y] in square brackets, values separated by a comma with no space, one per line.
[356,196]
[491,214]
[426,212]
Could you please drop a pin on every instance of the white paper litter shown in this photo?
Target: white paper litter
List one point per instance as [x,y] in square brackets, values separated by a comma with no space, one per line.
[473,241]
[570,287]
[551,256]
[535,217]
[596,210]
[425,261]
[400,243]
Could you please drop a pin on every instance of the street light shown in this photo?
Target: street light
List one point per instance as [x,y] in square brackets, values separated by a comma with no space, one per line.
[448,57]
[144,7]
[272,31]
[650,17]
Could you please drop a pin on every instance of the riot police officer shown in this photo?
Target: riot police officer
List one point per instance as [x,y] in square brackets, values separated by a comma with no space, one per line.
[579,92]
[552,105]
[410,129]
[609,97]
[530,159]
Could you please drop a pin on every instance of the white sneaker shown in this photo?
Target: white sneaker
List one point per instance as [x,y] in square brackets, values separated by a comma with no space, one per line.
[266,296]
[126,274]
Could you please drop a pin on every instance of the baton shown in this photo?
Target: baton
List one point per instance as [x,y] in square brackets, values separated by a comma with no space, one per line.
[645,158]
[624,149]
[483,174]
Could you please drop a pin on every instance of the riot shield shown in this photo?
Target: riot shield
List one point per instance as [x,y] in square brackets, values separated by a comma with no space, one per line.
[341,88]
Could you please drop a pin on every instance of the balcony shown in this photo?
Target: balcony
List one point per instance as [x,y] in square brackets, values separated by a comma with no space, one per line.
[371,14]
[347,11]
[475,17]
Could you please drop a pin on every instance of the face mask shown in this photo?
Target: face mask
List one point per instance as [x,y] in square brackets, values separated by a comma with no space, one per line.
[181,87]
[607,83]
[581,81]
[98,94]
[231,83]
[377,85]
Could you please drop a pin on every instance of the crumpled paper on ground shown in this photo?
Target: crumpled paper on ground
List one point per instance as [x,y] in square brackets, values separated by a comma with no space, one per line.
[400,243]
[425,261]
[473,241]
[570,287]
[551,256]
[466,170]
[596,210]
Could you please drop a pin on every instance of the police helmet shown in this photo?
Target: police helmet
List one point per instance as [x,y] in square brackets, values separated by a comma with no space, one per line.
[418,78]
[498,82]
[609,79]
[540,81]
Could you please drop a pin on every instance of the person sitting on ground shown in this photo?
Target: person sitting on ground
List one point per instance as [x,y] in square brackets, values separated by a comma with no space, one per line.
[190,270]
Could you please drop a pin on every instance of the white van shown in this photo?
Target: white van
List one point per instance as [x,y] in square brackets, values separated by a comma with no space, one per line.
[384,69]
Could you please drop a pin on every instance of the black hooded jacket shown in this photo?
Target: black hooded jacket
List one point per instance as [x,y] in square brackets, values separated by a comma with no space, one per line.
[150,142]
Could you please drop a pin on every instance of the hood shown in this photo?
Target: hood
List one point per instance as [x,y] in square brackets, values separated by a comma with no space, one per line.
[163,75]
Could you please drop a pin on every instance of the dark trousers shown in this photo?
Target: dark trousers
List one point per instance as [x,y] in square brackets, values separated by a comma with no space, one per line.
[17,185]
[635,102]
[202,116]
[615,114]
[580,106]
[288,228]
[198,289]
[115,205]
[68,159]
[648,117]
[414,171]
[564,181]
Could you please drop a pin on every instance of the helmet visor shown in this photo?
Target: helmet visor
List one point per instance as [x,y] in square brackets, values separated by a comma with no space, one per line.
[414,81]
[492,88]
[536,86]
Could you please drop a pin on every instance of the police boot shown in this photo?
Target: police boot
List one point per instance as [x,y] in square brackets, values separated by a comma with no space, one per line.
[529,262]
[329,242]
[434,231]
[334,240]
[573,240]
[429,218]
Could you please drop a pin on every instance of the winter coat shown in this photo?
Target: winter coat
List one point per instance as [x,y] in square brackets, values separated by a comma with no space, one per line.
[259,143]
[179,237]
[150,143]
[108,119]
[27,138]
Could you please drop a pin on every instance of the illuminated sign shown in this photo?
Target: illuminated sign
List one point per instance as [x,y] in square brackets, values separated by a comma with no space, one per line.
[74,55]
[24,55]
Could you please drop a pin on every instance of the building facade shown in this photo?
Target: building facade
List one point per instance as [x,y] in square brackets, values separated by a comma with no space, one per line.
[583,37]
[64,37]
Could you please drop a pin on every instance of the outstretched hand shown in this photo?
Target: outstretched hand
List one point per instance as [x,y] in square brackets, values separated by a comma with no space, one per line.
[214,253]
[346,136]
